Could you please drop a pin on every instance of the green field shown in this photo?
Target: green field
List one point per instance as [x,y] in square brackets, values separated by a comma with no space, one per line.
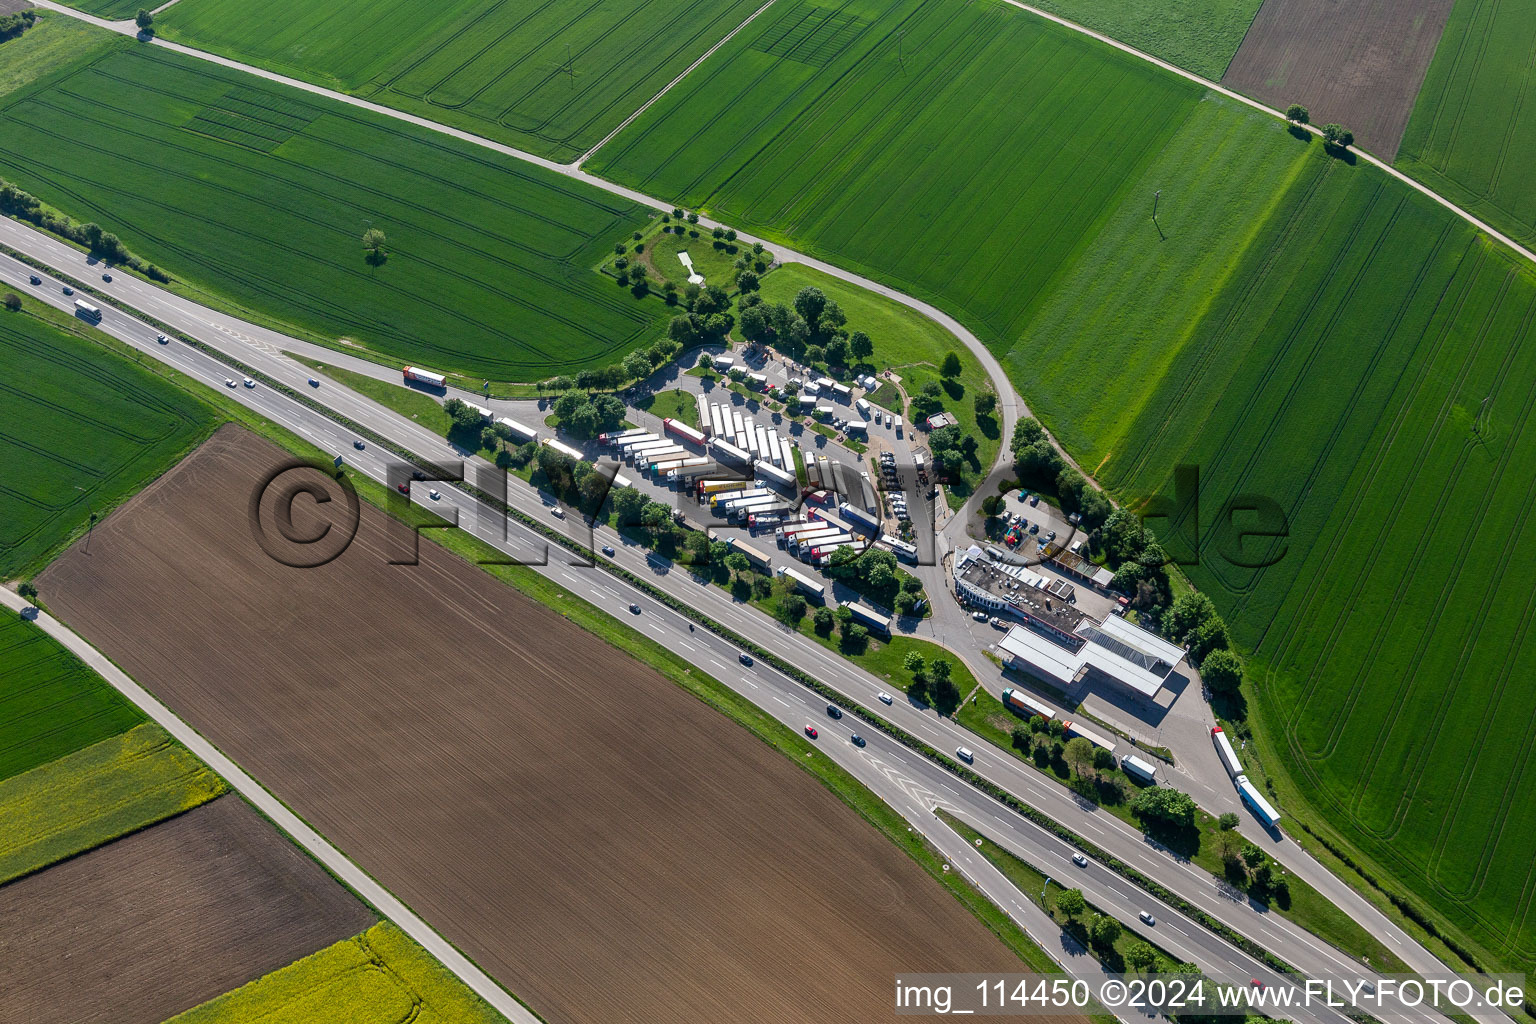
[378,977]
[50,703]
[1472,136]
[959,151]
[106,790]
[547,77]
[913,346]
[80,431]
[1336,361]
[1199,37]
[112,10]
[258,195]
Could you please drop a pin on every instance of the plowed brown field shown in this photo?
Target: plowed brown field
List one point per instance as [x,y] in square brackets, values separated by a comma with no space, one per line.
[1360,64]
[604,844]
[145,927]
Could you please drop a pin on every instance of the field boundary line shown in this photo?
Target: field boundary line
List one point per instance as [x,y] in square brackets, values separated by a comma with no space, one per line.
[576,164]
[290,823]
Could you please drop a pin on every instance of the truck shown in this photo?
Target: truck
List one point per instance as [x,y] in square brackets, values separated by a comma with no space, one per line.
[775,476]
[1097,739]
[863,406]
[1224,751]
[756,557]
[708,488]
[1256,802]
[90,312]
[739,426]
[520,433]
[669,454]
[773,453]
[723,362]
[706,424]
[758,380]
[810,538]
[692,467]
[616,436]
[661,469]
[719,498]
[822,553]
[729,453]
[825,412]
[858,517]
[638,451]
[1136,768]
[868,616]
[623,444]
[1021,702]
[813,591]
[843,392]
[717,419]
[763,503]
[682,431]
[413,374]
[856,427]
[562,448]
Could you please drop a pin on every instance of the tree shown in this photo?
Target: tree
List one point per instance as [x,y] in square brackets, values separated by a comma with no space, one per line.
[1071,903]
[503,459]
[746,281]
[28,591]
[1227,822]
[809,303]
[655,515]
[144,19]
[1297,114]
[986,403]
[992,504]
[1165,806]
[373,246]
[951,365]
[12,301]
[1103,759]
[832,317]
[737,562]
[1222,671]
[1338,136]
[1104,931]
[940,670]
[637,365]
[860,345]
[1210,635]
[1252,855]
[1079,754]
[823,620]
[791,609]
[1140,956]
[1190,611]
[1025,433]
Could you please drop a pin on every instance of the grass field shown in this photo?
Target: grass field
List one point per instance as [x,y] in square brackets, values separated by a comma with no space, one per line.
[1363,386]
[256,197]
[53,40]
[80,430]
[114,10]
[547,77]
[913,346]
[422,408]
[1472,136]
[1199,37]
[106,790]
[378,977]
[870,134]
[674,404]
[50,703]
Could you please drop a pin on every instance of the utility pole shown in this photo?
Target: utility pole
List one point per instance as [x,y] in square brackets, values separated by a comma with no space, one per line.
[1477,423]
[1155,197]
[900,35]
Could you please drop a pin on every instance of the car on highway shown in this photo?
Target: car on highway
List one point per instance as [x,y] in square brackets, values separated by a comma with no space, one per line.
[162,339]
[313,382]
[1147,918]
[885,698]
[745,659]
[249,383]
[68,290]
[403,488]
[434,495]
[965,754]
[358,445]
[229,382]
[858,740]
[1079,860]
[834,711]
[35,279]
[107,278]
[810,730]
[634,609]
[557,512]
[608,550]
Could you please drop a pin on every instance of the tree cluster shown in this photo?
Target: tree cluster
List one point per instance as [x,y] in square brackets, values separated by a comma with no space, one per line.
[1194,622]
[1038,465]
[585,415]
[635,366]
[1337,136]
[13,25]
[812,328]
[933,683]
[104,245]
[706,316]
[1165,807]
[876,574]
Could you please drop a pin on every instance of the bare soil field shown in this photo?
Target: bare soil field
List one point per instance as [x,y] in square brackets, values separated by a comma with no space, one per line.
[1360,64]
[150,925]
[601,842]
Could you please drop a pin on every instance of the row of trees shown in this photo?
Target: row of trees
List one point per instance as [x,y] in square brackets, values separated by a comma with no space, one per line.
[638,365]
[1040,466]
[1102,932]
[1334,134]
[104,245]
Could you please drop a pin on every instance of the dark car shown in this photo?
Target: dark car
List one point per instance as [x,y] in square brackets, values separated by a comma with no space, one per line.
[608,550]
[858,740]
[834,711]
[358,445]
[68,290]
[35,279]
[745,659]
[107,278]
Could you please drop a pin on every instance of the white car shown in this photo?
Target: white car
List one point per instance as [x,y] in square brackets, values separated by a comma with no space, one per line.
[979,616]
[249,383]
[434,495]
[885,698]
[162,339]
[965,754]
[557,512]
[229,382]
[1147,918]
[1079,860]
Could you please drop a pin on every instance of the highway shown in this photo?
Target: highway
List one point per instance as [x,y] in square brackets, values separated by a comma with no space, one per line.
[905,779]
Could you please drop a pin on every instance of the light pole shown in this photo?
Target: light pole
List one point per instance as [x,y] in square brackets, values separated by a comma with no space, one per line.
[1155,197]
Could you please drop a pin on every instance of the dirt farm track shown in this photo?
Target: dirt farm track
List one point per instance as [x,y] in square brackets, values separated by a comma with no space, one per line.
[1360,64]
[159,921]
[602,843]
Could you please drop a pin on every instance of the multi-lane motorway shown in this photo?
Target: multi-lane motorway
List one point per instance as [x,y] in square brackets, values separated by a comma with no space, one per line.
[906,780]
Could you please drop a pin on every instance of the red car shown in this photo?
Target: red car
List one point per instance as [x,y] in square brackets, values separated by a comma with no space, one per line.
[403,488]
[810,731]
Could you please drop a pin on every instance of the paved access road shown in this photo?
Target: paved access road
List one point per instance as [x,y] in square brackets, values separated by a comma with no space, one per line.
[906,788]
